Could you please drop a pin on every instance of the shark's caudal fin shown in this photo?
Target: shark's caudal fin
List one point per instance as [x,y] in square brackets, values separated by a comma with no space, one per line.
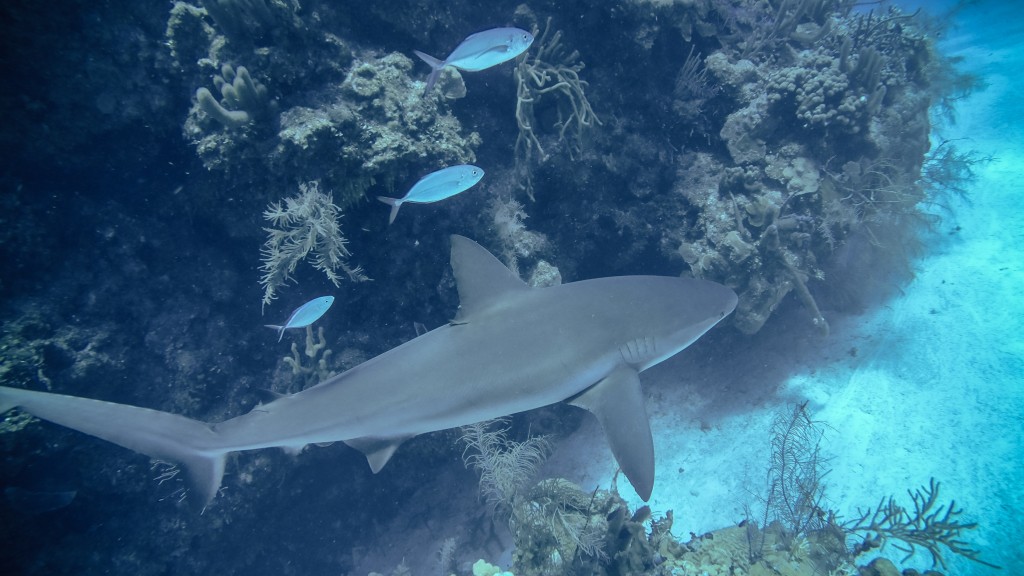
[435,72]
[190,443]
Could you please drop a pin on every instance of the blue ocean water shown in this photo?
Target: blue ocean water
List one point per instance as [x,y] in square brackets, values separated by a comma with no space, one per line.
[131,266]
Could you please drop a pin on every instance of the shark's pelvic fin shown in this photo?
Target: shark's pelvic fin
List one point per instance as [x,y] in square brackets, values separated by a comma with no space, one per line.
[205,472]
[377,450]
[618,403]
[161,435]
[482,280]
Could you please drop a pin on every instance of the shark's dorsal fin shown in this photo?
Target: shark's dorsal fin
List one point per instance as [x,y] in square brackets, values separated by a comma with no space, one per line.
[618,403]
[377,450]
[480,278]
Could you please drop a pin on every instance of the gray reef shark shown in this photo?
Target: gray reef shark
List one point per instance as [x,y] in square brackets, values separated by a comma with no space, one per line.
[510,348]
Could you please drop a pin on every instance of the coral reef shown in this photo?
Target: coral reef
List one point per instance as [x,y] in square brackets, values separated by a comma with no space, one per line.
[795,96]
[397,125]
[35,352]
[739,140]
[782,208]
[304,107]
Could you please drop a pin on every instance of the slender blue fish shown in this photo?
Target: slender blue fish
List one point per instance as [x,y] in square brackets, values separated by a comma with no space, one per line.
[444,183]
[480,51]
[304,315]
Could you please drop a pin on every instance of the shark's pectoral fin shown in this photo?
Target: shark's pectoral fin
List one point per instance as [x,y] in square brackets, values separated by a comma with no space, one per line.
[378,450]
[618,403]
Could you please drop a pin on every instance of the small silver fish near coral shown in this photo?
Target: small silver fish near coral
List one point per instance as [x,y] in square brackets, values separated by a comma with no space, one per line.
[444,183]
[304,315]
[480,51]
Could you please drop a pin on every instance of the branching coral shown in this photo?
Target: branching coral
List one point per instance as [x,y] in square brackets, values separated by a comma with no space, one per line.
[797,468]
[317,367]
[516,240]
[561,519]
[550,70]
[693,86]
[869,194]
[505,466]
[796,498]
[305,223]
[950,169]
[242,98]
[554,522]
[927,526]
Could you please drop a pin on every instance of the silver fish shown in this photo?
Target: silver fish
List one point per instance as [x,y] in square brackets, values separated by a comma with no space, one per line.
[304,315]
[480,51]
[444,183]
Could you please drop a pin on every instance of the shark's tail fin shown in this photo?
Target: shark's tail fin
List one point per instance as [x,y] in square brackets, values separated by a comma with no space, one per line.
[435,73]
[190,443]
